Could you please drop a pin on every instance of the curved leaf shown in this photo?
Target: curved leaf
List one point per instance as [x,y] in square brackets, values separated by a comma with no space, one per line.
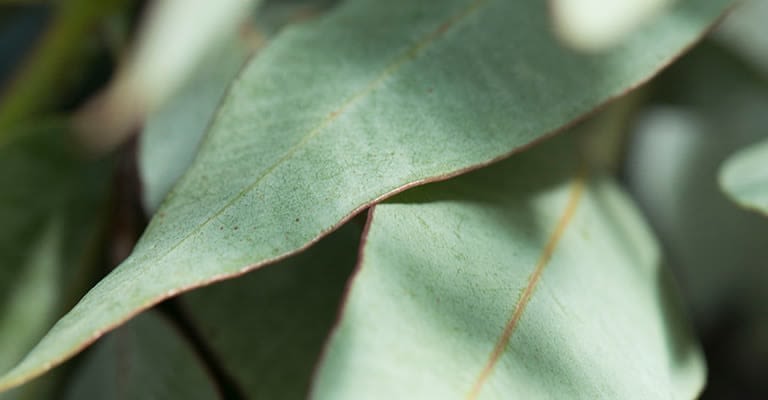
[267,329]
[172,135]
[503,284]
[712,106]
[744,177]
[343,111]
[145,359]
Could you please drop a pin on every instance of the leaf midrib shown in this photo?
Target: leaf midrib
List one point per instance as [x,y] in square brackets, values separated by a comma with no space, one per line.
[574,197]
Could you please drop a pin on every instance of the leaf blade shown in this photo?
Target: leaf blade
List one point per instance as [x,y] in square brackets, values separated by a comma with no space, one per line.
[494,285]
[145,359]
[270,351]
[254,187]
[743,177]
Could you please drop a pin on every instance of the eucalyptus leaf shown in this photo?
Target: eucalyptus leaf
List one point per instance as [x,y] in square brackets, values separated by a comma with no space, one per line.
[268,328]
[145,359]
[345,110]
[744,177]
[502,284]
[173,133]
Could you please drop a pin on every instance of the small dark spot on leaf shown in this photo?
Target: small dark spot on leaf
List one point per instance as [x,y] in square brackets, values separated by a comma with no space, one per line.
[297,220]
[237,227]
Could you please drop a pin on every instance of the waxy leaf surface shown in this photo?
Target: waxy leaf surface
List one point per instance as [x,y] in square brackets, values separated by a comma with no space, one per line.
[359,104]
[501,284]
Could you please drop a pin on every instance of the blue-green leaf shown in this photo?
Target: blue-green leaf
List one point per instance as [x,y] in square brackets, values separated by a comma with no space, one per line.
[504,284]
[343,111]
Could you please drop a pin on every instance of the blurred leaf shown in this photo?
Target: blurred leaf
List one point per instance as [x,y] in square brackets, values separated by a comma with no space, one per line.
[711,106]
[58,51]
[744,177]
[606,134]
[744,31]
[174,37]
[267,328]
[597,25]
[145,359]
[348,109]
[43,388]
[31,300]
[504,284]
[50,203]
[31,303]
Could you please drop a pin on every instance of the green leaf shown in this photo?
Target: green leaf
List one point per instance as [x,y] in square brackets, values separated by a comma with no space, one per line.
[173,40]
[172,135]
[30,306]
[351,108]
[744,177]
[50,205]
[145,359]
[272,349]
[504,284]
[711,106]
[743,31]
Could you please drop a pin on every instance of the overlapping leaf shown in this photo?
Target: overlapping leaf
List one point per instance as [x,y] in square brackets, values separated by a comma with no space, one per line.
[145,359]
[171,135]
[743,31]
[268,328]
[340,112]
[711,107]
[744,177]
[502,284]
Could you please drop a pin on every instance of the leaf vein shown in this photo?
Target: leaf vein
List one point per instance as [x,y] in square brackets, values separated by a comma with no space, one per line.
[574,196]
